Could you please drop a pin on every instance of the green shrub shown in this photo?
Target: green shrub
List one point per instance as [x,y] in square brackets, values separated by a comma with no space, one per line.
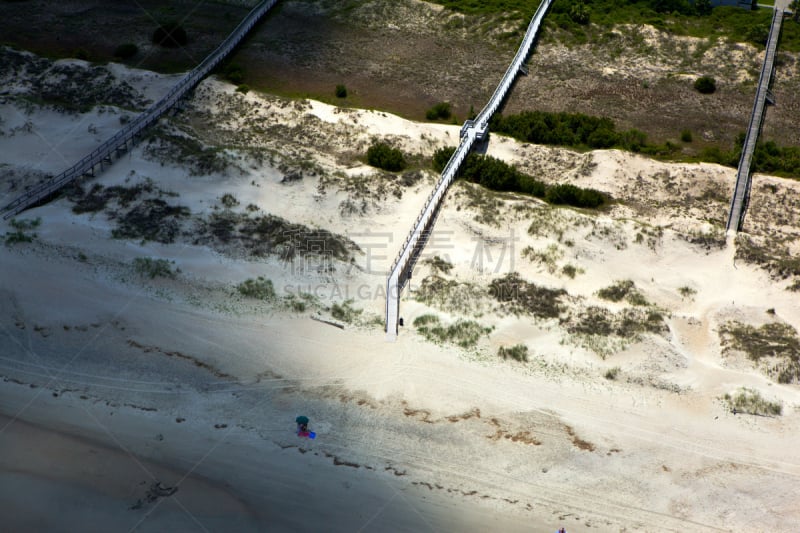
[383,156]
[153,268]
[518,296]
[612,373]
[464,333]
[498,175]
[341,91]
[228,200]
[617,291]
[22,227]
[750,401]
[439,111]
[345,311]
[260,288]
[567,129]
[705,84]
[686,136]
[774,342]
[518,352]
[575,196]
[170,35]
[126,51]
[569,270]
[438,264]
[243,88]
[686,291]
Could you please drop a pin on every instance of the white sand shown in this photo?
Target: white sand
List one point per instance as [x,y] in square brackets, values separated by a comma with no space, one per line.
[442,417]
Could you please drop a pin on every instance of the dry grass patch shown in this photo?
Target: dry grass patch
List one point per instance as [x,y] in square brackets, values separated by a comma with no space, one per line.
[750,401]
[775,347]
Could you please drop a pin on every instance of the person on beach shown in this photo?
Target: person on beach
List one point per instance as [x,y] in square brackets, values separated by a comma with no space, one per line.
[302,425]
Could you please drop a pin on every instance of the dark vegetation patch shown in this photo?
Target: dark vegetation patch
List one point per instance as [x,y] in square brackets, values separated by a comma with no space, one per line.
[626,324]
[154,268]
[345,311]
[97,198]
[259,288]
[259,236]
[497,175]
[705,85]
[567,22]
[185,151]
[440,111]
[23,231]
[450,295]
[383,156]
[438,265]
[769,157]
[775,258]
[519,297]
[580,131]
[518,352]
[67,88]
[152,219]
[774,346]
[750,401]
[713,239]
[464,333]
[623,290]
[575,130]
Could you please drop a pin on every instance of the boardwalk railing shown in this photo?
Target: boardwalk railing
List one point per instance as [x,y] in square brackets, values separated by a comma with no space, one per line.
[473,130]
[134,128]
[741,192]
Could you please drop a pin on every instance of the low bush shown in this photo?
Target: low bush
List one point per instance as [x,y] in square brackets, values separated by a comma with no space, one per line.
[777,344]
[383,156]
[259,288]
[750,401]
[497,175]
[21,231]
[345,311]
[518,352]
[341,91]
[464,333]
[705,85]
[153,268]
[612,373]
[518,296]
[228,201]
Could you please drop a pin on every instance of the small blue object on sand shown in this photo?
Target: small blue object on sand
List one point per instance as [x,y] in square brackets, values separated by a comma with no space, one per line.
[312,435]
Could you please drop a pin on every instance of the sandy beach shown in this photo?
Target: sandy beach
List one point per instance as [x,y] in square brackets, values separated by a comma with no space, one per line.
[140,403]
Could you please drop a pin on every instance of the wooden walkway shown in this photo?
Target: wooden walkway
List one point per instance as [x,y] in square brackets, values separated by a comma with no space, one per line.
[120,142]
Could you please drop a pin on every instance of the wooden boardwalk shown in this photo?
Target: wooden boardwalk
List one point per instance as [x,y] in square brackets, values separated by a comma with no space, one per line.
[741,192]
[120,142]
[472,131]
